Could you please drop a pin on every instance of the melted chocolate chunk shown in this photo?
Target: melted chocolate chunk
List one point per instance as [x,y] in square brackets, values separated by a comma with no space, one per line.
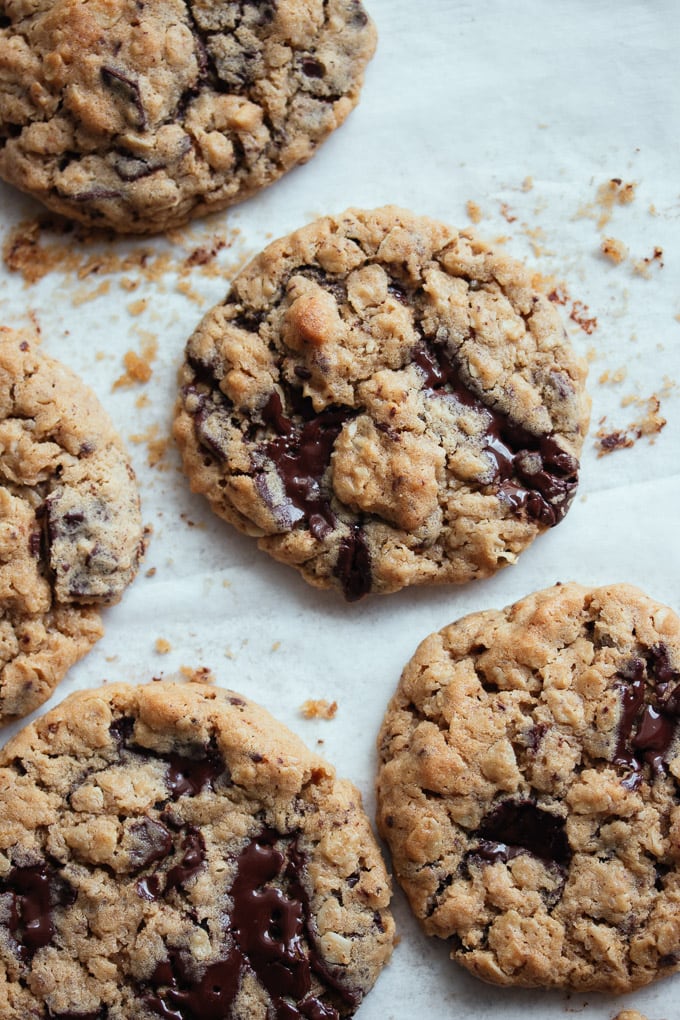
[514,826]
[272,940]
[301,454]
[650,709]
[151,887]
[120,82]
[532,474]
[153,843]
[35,891]
[191,775]
[353,565]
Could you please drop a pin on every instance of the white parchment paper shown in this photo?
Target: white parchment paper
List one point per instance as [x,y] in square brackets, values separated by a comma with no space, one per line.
[514,115]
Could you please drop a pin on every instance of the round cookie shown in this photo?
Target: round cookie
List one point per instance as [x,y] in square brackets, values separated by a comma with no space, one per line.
[70,526]
[528,789]
[138,116]
[171,851]
[383,401]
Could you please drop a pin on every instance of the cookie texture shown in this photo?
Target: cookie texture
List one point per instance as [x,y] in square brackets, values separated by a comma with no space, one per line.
[171,851]
[384,401]
[528,789]
[137,116]
[70,526]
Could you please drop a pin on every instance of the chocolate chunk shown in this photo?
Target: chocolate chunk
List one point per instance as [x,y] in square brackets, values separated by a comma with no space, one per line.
[118,81]
[271,940]
[533,475]
[312,67]
[522,825]
[190,865]
[153,842]
[353,565]
[301,454]
[35,891]
[191,775]
[649,717]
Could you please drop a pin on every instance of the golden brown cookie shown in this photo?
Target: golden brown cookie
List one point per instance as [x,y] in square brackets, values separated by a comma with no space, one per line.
[171,851]
[70,525]
[138,116]
[528,789]
[383,401]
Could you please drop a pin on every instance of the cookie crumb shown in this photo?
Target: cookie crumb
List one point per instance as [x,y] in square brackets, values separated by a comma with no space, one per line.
[527,184]
[198,674]
[275,647]
[137,307]
[473,211]
[151,572]
[629,1014]
[649,424]
[162,646]
[614,250]
[319,709]
[642,267]
[611,193]
[580,315]
[138,366]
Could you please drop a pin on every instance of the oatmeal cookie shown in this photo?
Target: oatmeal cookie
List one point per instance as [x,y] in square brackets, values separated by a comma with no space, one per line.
[528,789]
[70,526]
[137,116]
[171,851]
[384,401]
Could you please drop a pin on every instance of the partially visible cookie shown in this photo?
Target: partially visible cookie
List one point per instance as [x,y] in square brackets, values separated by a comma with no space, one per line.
[384,401]
[137,116]
[171,851]
[70,526]
[528,789]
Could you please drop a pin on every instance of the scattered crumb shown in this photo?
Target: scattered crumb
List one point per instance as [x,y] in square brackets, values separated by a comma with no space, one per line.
[151,572]
[156,446]
[319,709]
[506,213]
[138,366]
[275,647]
[226,584]
[614,250]
[591,354]
[228,653]
[142,400]
[112,658]
[473,211]
[198,674]
[648,424]
[579,315]
[137,307]
[559,295]
[184,287]
[629,1014]
[613,378]
[81,297]
[527,184]
[611,193]
[162,646]
[643,266]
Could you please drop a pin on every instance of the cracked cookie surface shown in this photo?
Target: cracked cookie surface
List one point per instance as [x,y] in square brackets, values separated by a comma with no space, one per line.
[137,116]
[384,401]
[172,851]
[70,524]
[528,789]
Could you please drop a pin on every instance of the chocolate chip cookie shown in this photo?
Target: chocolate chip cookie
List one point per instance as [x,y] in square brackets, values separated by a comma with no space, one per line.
[384,401]
[528,789]
[171,851]
[70,527]
[137,116]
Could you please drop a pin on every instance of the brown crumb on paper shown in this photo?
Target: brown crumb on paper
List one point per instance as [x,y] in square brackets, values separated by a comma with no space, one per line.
[643,266]
[156,446]
[614,250]
[629,1014]
[611,193]
[138,366]
[319,709]
[473,211]
[580,315]
[198,674]
[649,424]
[162,646]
